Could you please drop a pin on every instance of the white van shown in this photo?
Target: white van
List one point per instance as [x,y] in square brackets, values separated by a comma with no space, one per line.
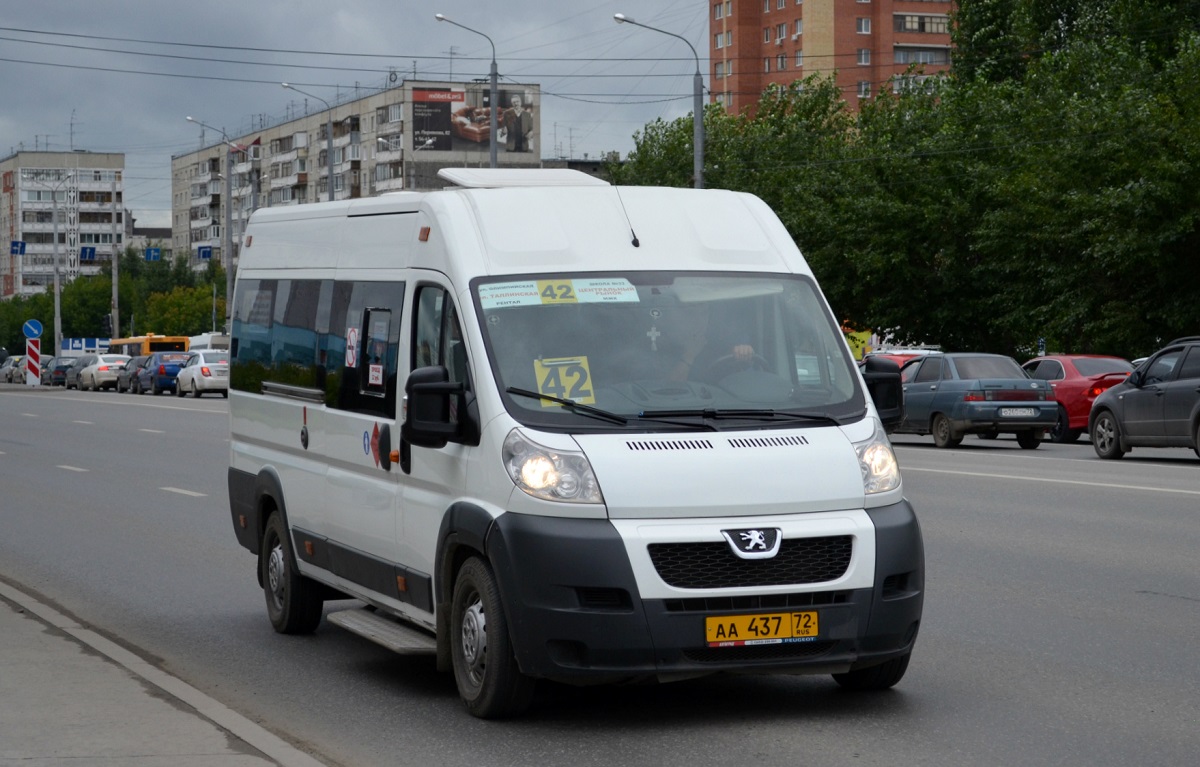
[542,427]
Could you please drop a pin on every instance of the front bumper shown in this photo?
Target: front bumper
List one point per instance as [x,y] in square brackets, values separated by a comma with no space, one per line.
[575,613]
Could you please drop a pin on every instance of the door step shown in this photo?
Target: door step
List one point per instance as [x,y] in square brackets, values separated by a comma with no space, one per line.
[392,634]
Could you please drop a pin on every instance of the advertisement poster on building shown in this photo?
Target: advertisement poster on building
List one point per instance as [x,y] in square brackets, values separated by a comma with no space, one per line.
[458,118]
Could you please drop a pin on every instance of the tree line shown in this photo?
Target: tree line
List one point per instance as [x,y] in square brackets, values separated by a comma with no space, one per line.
[1044,188]
[163,297]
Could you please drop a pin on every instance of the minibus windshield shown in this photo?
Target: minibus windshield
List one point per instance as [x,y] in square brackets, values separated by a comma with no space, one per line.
[637,344]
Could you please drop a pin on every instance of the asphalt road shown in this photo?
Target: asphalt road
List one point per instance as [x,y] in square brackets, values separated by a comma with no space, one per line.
[1061,626]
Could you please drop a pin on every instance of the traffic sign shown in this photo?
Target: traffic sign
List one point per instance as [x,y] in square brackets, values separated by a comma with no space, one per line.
[205,252]
[32,329]
[87,253]
[153,254]
[17,248]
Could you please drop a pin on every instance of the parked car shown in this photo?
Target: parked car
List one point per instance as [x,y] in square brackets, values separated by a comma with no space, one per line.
[12,368]
[159,372]
[47,369]
[127,371]
[71,374]
[58,373]
[1077,379]
[1158,405]
[101,373]
[953,394]
[205,371]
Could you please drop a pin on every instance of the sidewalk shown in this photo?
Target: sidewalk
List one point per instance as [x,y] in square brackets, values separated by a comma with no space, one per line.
[69,696]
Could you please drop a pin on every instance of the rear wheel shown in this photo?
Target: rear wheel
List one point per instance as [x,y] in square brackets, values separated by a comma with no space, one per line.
[881,677]
[1029,440]
[195,391]
[943,435]
[1196,445]
[294,603]
[1106,436]
[489,681]
[1062,433]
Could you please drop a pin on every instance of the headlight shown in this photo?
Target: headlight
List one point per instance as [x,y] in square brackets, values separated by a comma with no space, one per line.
[880,471]
[554,475]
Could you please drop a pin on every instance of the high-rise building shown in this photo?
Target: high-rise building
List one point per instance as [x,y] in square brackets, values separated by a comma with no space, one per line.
[868,44]
[76,195]
[391,140]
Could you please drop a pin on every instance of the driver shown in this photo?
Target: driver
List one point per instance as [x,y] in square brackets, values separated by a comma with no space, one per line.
[701,347]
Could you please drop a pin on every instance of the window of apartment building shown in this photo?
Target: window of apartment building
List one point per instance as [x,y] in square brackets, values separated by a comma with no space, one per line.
[862,26]
[799,28]
[719,11]
[922,56]
[728,38]
[719,70]
[799,59]
[781,62]
[766,6]
[766,34]
[718,39]
[864,89]
[864,56]
[767,64]
[932,25]
[781,4]
[391,113]
[780,32]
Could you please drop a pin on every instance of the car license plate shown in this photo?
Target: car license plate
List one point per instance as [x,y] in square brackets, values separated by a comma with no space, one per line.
[1017,412]
[773,628]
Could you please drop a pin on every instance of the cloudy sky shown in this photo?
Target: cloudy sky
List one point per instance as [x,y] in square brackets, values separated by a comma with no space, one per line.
[123,75]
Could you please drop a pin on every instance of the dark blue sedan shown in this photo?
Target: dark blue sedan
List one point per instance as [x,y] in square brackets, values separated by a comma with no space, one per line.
[950,395]
[158,373]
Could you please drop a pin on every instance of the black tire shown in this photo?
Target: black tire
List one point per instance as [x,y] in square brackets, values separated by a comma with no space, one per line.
[1029,440]
[489,681]
[294,603]
[943,434]
[225,394]
[195,391]
[155,389]
[1062,433]
[1106,436]
[1196,445]
[881,677]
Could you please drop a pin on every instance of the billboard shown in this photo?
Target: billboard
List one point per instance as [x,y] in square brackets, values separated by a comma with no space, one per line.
[458,118]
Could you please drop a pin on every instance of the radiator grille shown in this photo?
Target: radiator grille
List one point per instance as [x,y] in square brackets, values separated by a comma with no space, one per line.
[713,565]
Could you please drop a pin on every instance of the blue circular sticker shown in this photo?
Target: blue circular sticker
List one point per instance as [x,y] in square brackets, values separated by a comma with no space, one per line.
[366,443]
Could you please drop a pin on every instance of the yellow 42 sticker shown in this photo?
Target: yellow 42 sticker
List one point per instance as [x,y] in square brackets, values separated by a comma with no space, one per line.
[557,292]
[565,378]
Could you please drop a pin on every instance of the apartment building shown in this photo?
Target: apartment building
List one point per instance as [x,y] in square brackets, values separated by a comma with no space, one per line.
[388,141]
[58,206]
[869,45]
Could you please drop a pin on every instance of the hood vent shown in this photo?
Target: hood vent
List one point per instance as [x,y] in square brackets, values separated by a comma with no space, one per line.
[670,444]
[768,442]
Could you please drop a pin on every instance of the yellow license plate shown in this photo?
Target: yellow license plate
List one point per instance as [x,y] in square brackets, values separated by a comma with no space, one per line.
[773,628]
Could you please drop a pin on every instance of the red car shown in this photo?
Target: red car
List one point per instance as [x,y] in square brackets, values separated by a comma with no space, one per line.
[1077,379]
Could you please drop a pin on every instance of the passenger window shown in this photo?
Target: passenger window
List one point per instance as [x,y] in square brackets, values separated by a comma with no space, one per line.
[438,339]
[1160,369]
[931,370]
[1191,364]
[1048,370]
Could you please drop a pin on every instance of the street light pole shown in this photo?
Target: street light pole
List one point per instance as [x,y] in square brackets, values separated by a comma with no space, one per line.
[227,228]
[328,133]
[68,176]
[697,98]
[495,97]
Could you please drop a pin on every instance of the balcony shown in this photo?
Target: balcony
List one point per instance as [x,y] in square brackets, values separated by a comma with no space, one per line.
[389,185]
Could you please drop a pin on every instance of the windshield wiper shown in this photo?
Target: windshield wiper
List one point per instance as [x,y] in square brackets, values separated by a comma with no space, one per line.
[571,405]
[755,415]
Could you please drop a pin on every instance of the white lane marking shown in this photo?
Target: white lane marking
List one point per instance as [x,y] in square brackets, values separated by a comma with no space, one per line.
[181,491]
[152,431]
[86,423]
[72,468]
[30,415]
[1053,481]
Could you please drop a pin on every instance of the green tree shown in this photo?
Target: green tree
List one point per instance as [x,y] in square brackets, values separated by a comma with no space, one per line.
[184,311]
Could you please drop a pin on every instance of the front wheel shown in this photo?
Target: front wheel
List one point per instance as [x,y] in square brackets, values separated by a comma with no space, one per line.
[294,604]
[1029,440]
[943,434]
[1106,436]
[489,681]
[881,677]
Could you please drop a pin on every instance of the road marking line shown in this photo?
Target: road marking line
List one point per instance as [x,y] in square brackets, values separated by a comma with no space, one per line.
[1053,481]
[183,492]
[71,468]
[152,431]
[87,423]
[30,415]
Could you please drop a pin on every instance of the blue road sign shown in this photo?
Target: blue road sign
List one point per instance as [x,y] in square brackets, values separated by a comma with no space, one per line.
[32,329]
[17,248]
[205,252]
[153,254]
[87,253]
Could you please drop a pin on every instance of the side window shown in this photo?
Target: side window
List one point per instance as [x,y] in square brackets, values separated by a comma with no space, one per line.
[931,370]
[366,315]
[438,338]
[1191,365]
[1048,370]
[1162,366]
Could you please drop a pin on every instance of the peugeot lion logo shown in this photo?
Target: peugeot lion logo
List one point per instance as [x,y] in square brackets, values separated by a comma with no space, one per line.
[755,543]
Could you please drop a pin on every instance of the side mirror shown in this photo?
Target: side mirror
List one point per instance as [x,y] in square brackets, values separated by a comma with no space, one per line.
[1137,377]
[427,421]
[883,383]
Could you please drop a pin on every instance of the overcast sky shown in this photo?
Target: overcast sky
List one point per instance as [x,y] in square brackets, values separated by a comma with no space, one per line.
[122,75]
